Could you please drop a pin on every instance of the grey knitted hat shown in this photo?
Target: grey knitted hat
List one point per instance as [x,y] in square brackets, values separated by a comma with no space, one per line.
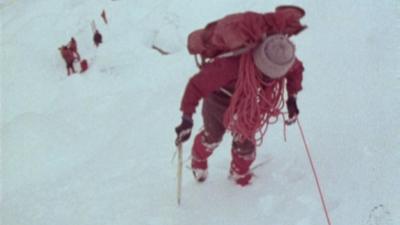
[274,56]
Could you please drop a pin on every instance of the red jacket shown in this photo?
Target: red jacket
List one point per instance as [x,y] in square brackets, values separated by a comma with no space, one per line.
[223,73]
[68,55]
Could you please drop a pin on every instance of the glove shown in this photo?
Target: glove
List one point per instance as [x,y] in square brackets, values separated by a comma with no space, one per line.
[184,130]
[292,109]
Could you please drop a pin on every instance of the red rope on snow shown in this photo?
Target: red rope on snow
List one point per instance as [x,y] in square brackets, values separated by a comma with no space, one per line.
[321,195]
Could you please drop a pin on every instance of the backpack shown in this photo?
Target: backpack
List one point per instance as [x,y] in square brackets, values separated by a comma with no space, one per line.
[237,33]
[84,65]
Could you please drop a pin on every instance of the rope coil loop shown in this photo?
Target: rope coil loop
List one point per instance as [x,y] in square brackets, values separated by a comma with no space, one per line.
[255,103]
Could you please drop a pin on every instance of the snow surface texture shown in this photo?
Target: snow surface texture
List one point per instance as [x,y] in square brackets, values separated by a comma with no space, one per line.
[96,148]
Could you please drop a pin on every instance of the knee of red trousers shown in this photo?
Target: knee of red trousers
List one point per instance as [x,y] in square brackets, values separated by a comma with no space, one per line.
[203,148]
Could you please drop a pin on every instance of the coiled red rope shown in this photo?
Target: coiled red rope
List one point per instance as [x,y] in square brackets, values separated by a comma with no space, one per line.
[255,103]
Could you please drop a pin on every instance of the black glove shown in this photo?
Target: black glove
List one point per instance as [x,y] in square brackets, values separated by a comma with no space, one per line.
[184,130]
[292,109]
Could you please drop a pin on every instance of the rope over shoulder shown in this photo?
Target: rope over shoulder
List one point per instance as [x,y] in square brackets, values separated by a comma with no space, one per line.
[254,104]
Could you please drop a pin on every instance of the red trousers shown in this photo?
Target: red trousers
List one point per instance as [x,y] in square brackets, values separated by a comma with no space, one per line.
[243,152]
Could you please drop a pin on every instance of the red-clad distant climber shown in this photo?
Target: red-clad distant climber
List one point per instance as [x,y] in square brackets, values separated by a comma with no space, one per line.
[97,38]
[69,58]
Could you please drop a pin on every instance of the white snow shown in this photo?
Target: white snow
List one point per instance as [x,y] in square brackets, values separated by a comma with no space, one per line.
[96,148]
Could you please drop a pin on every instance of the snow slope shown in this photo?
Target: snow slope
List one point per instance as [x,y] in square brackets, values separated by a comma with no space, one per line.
[96,148]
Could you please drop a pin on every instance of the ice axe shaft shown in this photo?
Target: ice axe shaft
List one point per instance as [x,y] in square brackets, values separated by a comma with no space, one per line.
[179,174]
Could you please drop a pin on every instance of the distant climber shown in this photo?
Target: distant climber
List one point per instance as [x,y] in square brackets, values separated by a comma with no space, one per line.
[69,58]
[97,38]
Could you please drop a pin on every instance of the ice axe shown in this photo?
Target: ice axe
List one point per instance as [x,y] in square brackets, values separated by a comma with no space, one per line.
[179,173]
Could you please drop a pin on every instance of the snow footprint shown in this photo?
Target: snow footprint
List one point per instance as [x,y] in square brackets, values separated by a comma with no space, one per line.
[379,215]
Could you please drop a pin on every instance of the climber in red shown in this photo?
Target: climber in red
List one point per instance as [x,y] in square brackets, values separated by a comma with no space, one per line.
[242,92]
[69,57]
